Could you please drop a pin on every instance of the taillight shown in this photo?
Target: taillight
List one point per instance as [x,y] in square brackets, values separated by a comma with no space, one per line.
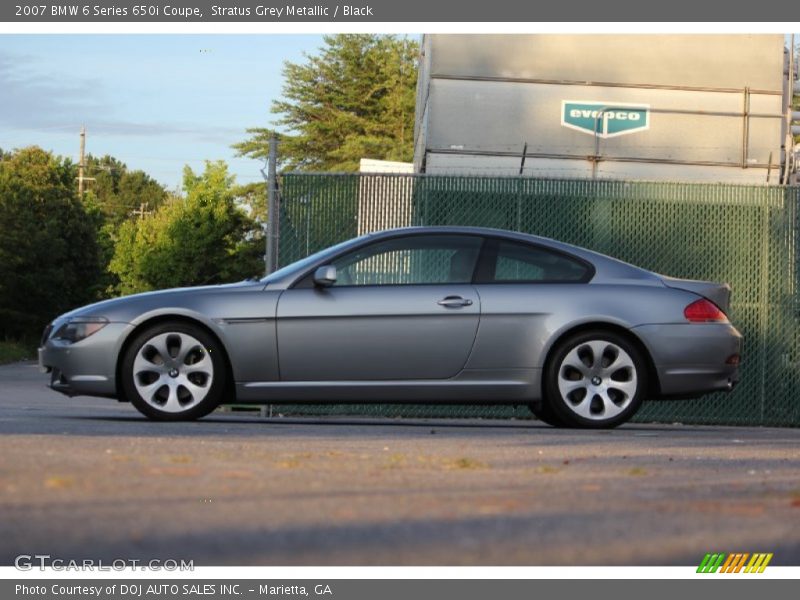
[704,311]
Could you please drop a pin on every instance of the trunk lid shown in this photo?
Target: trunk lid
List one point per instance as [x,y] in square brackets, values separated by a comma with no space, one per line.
[718,293]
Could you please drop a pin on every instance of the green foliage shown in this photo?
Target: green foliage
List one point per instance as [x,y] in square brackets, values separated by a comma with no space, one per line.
[113,195]
[353,100]
[49,256]
[16,351]
[118,191]
[253,197]
[204,238]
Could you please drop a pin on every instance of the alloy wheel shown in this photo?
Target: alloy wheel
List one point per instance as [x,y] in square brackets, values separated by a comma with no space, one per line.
[597,380]
[173,372]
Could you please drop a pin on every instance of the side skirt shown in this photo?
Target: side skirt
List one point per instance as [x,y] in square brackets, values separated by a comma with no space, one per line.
[487,386]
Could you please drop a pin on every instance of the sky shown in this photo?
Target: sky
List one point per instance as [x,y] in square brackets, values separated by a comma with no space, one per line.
[154,102]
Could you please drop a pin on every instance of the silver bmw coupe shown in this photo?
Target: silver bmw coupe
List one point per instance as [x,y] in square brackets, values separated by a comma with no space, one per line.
[426,314]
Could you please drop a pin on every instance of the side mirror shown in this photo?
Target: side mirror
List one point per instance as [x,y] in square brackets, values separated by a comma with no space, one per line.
[325,276]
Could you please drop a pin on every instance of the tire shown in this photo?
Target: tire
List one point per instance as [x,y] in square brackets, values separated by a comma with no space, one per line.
[174,371]
[544,413]
[595,380]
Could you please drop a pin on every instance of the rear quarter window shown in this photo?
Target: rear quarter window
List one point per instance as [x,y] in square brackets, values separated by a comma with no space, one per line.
[520,263]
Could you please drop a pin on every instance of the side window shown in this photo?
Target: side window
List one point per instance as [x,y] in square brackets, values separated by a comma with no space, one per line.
[523,263]
[417,259]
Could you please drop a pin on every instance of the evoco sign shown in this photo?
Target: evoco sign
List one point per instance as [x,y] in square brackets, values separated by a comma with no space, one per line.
[605,119]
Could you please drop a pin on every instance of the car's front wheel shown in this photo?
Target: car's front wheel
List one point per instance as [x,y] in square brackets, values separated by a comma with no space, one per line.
[596,379]
[174,372]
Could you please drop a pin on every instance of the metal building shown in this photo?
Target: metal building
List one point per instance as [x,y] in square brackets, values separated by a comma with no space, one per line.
[714,108]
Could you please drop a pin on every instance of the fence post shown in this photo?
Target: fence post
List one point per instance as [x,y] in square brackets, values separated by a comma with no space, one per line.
[764,308]
[272,206]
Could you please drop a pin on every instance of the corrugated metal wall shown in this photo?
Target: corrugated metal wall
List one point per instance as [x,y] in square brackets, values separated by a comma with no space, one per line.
[714,105]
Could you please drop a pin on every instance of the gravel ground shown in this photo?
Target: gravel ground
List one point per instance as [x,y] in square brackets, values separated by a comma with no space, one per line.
[89,478]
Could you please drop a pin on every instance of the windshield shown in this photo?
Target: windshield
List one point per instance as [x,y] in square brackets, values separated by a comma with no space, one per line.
[303,263]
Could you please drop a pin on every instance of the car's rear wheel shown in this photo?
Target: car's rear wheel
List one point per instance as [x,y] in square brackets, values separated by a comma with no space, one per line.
[596,379]
[174,372]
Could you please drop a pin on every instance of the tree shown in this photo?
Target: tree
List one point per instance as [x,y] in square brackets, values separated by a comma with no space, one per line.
[204,238]
[118,191]
[113,193]
[49,256]
[253,197]
[353,100]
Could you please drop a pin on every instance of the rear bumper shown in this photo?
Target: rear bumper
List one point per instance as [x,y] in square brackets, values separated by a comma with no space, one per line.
[692,359]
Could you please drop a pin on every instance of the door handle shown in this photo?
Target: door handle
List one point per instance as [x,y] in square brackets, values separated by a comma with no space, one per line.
[454,302]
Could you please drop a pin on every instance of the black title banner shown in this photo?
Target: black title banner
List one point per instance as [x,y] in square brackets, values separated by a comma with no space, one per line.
[198,11]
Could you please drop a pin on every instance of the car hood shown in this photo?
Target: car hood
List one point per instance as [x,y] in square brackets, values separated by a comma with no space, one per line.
[118,306]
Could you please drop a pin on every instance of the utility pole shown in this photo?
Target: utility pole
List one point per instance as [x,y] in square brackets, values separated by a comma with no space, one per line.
[271,178]
[789,143]
[82,164]
[82,161]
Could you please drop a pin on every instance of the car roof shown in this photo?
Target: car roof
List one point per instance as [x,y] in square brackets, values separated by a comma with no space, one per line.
[463,229]
[600,261]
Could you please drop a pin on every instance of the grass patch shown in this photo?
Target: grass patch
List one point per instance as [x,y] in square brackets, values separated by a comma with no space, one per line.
[465,463]
[424,461]
[58,483]
[396,461]
[547,470]
[15,351]
[294,461]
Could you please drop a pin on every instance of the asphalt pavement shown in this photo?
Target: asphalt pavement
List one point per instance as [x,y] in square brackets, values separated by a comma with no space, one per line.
[91,478]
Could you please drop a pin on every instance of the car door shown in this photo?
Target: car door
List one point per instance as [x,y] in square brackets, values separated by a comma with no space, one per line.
[524,290]
[401,308]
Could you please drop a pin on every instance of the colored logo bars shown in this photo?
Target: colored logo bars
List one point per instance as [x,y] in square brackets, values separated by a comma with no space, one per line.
[734,563]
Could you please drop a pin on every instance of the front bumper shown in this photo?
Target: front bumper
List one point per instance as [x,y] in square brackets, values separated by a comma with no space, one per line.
[88,367]
[692,359]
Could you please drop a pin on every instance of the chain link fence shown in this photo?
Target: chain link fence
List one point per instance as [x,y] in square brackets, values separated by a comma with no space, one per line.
[744,235]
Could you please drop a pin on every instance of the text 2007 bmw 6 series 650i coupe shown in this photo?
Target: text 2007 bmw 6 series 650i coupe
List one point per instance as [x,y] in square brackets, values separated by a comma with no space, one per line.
[426,314]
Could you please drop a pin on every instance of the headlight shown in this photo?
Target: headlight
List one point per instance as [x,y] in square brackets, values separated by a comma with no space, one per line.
[46,334]
[79,328]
